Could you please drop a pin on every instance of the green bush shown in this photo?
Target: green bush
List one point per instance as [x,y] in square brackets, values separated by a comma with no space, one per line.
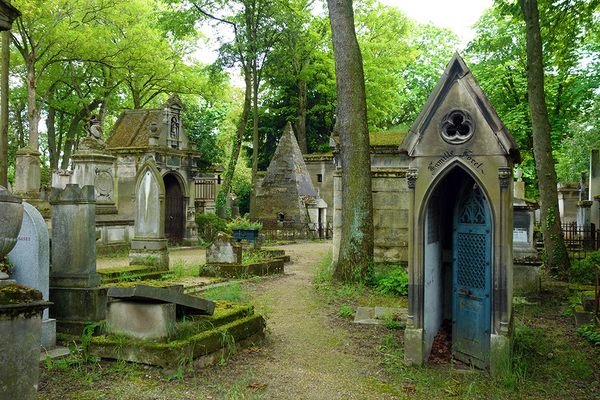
[243,223]
[584,271]
[209,224]
[346,311]
[591,333]
[392,280]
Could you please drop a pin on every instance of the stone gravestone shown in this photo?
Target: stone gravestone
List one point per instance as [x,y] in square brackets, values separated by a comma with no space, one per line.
[30,258]
[223,251]
[149,245]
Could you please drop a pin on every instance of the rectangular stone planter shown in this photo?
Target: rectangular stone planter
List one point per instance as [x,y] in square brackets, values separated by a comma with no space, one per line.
[245,234]
[267,267]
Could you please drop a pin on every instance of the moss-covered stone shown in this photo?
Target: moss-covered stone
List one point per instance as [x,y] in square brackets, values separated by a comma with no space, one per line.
[18,294]
[196,337]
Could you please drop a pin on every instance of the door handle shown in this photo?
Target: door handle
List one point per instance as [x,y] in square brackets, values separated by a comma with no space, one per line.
[465,292]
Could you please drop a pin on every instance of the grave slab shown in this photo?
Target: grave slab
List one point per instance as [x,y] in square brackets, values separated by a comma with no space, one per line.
[377,315]
[141,320]
[186,304]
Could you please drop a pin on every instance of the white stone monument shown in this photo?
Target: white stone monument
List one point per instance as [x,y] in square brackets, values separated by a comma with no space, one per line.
[31,260]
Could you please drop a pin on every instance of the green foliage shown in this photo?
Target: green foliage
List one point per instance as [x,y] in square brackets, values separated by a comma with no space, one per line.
[345,311]
[209,224]
[392,280]
[584,271]
[591,333]
[243,223]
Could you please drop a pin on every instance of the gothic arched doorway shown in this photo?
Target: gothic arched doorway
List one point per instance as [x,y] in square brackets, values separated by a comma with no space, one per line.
[174,209]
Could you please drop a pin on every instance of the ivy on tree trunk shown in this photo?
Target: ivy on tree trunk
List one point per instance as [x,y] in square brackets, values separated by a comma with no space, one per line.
[356,247]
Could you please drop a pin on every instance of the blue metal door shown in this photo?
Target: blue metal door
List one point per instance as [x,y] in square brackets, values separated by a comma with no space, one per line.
[471,279]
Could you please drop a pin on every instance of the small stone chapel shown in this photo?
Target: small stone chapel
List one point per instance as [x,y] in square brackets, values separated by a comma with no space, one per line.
[443,203]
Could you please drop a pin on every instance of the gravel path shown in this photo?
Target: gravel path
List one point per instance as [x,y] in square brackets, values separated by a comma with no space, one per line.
[305,356]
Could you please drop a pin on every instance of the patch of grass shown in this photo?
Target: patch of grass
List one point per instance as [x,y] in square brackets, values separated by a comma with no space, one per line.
[254,256]
[591,333]
[231,293]
[181,269]
[354,293]
[345,311]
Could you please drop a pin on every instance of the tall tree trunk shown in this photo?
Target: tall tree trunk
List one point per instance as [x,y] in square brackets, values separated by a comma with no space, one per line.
[236,146]
[301,121]
[557,258]
[356,247]
[70,140]
[255,85]
[51,129]
[33,111]
[4,109]
[20,127]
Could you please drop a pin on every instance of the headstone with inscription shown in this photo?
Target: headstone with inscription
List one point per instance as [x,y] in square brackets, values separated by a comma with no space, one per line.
[30,258]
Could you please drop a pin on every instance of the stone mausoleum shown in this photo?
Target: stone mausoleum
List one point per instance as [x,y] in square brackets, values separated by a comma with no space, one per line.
[115,168]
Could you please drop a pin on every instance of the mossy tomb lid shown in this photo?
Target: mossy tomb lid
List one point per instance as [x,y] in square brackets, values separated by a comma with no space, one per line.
[7,197]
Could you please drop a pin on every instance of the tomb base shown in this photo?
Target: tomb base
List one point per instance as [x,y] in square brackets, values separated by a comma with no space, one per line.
[75,307]
[141,320]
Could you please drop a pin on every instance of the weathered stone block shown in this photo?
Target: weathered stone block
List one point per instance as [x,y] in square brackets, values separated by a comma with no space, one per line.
[141,320]
[413,346]
[526,279]
[78,304]
[223,251]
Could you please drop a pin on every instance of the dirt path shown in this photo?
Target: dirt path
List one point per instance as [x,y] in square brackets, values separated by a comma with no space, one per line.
[305,356]
[188,255]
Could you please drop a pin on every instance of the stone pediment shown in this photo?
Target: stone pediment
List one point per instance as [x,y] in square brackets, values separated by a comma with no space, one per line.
[459,118]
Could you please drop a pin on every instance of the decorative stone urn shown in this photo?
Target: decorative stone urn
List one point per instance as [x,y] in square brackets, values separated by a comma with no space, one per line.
[11,217]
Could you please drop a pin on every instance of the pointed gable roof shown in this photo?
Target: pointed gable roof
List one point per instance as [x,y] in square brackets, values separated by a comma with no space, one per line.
[457,70]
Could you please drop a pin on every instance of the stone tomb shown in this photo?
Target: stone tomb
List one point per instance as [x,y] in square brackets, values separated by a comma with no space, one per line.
[146,312]
[31,260]
[460,224]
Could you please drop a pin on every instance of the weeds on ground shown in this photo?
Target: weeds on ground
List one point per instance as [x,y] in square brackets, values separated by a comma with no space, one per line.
[232,293]
[354,294]
[181,269]
[591,333]
[346,311]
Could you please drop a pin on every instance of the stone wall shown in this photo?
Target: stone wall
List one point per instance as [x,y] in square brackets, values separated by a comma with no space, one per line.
[322,165]
[390,214]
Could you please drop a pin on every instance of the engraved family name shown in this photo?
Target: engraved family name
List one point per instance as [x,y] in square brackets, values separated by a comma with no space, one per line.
[448,155]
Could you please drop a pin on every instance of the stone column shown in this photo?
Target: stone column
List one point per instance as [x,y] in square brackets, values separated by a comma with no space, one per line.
[92,165]
[74,282]
[27,173]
